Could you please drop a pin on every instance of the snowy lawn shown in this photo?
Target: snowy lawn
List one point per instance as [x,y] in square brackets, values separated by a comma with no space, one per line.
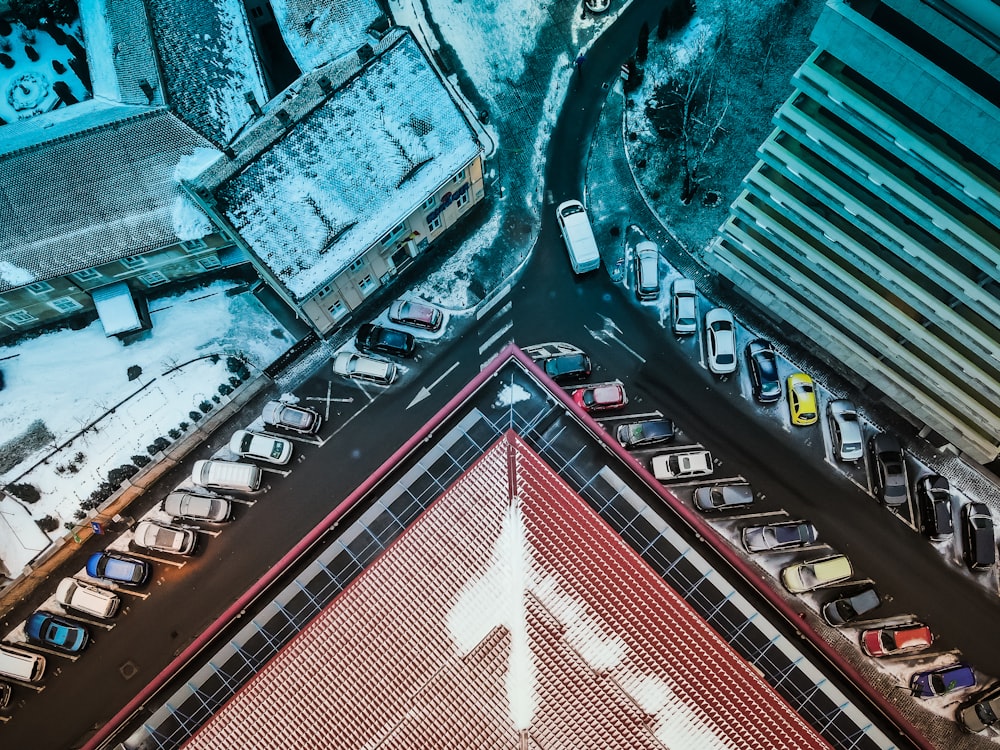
[72,390]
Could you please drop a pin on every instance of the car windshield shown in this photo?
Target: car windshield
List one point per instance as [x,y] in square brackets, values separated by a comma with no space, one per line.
[392,337]
[295,417]
[765,362]
[785,534]
[888,640]
[985,713]
[245,444]
[852,447]
[564,364]
[276,449]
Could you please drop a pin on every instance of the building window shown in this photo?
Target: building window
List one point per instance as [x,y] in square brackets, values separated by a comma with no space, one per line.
[461,200]
[209,262]
[198,244]
[20,317]
[337,310]
[357,265]
[434,224]
[87,274]
[136,262]
[366,284]
[429,203]
[40,287]
[65,304]
[459,177]
[3,302]
[153,278]
[392,234]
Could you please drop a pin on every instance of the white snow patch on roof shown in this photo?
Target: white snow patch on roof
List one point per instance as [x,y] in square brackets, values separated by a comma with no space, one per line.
[191,165]
[100,49]
[498,598]
[511,394]
[14,275]
[189,222]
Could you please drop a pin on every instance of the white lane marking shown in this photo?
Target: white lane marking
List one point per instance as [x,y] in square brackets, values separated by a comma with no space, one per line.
[425,391]
[643,415]
[504,291]
[492,339]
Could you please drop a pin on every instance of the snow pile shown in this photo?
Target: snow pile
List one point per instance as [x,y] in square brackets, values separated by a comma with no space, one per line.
[511,394]
[189,222]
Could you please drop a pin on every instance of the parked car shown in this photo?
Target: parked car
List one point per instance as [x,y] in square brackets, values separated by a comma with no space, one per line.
[47,629]
[845,430]
[934,499]
[762,363]
[685,465]
[896,639]
[86,598]
[4,695]
[376,338]
[235,476]
[578,234]
[118,568]
[778,536]
[601,396]
[814,574]
[721,332]
[272,450]
[846,609]
[562,362]
[163,537]
[980,712]
[363,367]
[683,307]
[888,469]
[979,544]
[722,497]
[417,314]
[645,433]
[289,417]
[802,399]
[192,506]
[943,680]
[647,270]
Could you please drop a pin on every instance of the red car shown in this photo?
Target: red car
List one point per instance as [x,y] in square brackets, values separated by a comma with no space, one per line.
[899,639]
[601,396]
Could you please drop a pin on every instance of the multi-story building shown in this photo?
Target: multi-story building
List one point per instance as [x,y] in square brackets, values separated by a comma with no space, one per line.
[871,223]
[326,138]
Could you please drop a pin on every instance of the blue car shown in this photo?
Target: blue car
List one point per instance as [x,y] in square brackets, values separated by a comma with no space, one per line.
[947,679]
[56,632]
[112,566]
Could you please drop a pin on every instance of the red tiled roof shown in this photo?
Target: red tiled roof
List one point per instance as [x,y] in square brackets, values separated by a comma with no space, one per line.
[426,649]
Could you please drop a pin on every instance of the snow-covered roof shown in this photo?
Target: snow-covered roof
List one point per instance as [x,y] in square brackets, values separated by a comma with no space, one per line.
[349,172]
[209,63]
[507,607]
[317,32]
[91,198]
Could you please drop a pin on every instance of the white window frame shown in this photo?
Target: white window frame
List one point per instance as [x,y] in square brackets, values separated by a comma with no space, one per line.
[153,278]
[87,274]
[435,224]
[459,177]
[3,302]
[429,203]
[65,304]
[39,288]
[20,317]
[210,262]
[393,233]
[462,200]
[196,244]
[136,261]
[367,285]
[337,310]
[357,265]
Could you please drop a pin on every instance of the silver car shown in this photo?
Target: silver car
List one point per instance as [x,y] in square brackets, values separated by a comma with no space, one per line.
[683,307]
[164,537]
[197,507]
[647,271]
[845,430]
[778,536]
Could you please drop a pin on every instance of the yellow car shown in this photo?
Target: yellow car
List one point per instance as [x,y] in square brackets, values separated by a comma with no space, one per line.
[802,399]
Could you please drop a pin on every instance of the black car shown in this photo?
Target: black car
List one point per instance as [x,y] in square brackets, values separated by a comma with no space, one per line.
[375,338]
[647,432]
[763,366]
[567,367]
[979,547]
[934,498]
[848,608]
[888,469]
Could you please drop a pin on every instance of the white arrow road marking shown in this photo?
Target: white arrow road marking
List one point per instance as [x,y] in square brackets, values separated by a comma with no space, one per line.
[610,333]
[425,391]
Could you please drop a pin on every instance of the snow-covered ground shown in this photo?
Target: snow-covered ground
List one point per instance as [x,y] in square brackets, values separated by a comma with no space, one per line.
[70,412]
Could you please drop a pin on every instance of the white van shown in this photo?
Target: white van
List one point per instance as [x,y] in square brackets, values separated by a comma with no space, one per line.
[21,665]
[87,598]
[578,236]
[226,475]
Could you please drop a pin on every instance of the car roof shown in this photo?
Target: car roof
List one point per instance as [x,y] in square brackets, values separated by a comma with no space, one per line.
[684,286]
[832,567]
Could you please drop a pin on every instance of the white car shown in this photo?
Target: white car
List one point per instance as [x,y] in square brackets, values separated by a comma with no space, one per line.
[273,450]
[163,537]
[417,314]
[363,367]
[682,465]
[683,307]
[720,331]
